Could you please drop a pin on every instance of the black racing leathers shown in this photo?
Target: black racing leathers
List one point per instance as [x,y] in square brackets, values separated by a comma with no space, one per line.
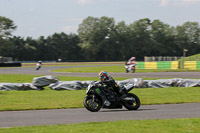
[111,84]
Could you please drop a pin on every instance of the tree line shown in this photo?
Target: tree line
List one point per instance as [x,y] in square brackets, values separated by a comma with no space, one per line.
[102,39]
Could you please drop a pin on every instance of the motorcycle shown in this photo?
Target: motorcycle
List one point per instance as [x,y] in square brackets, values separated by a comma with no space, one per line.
[94,100]
[38,65]
[130,65]
[130,68]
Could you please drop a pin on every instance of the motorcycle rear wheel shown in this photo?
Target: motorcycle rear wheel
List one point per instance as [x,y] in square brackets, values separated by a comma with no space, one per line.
[133,70]
[132,105]
[92,104]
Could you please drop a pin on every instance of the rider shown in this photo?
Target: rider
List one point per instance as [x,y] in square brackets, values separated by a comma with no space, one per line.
[38,65]
[110,83]
[128,64]
[131,61]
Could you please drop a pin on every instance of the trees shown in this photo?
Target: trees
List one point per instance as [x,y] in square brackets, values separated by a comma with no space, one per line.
[19,52]
[95,35]
[63,46]
[163,39]
[7,26]
[102,39]
[141,41]
[188,37]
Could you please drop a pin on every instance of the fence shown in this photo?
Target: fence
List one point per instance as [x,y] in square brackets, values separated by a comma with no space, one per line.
[161,58]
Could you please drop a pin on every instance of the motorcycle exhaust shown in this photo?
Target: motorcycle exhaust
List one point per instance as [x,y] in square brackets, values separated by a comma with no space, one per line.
[129,99]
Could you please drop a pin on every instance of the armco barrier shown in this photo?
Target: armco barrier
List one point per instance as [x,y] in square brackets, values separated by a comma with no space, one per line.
[140,65]
[174,65]
[158,65]
[150,65]
[164,65]
[194,65]
[198,64]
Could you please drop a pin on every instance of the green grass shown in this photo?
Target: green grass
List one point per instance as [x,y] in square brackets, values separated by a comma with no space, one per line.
[46,99]
[16,78]
[92,69]
[22,78]
[172,95]
[185,125]
[73,64]
[195,57]
[111,69]
[52,99]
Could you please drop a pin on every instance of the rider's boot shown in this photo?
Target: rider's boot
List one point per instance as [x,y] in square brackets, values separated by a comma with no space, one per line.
[106,102]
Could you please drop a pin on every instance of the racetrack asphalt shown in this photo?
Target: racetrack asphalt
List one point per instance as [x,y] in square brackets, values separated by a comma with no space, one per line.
[67,116]
[47,71]
[81,115]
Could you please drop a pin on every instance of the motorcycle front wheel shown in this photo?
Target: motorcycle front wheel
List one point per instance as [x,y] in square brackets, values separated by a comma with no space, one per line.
[132,104]
[92,104]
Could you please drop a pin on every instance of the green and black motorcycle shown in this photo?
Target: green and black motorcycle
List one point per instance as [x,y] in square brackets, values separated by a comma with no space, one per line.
[97,94]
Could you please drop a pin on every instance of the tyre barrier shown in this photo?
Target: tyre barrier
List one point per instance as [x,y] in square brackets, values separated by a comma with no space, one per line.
[10,64]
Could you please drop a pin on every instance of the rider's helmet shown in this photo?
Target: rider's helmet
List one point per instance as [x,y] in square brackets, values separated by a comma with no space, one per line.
[103,75]
[132,58]
[40,61]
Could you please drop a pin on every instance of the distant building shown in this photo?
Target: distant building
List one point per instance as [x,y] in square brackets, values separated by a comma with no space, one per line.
[6,59]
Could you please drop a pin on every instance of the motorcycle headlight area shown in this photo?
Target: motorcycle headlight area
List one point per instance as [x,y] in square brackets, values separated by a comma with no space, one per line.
[88,88]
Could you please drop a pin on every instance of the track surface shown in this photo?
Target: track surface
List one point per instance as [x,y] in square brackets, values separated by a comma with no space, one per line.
[67,116]
[46,71]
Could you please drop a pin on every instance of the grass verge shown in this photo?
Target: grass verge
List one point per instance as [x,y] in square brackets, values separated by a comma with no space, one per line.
[185,125]
[52,99]
[109,69]
[22,78]
[73,63]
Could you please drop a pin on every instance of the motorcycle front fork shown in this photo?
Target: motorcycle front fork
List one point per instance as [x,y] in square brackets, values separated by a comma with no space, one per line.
[93,98]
